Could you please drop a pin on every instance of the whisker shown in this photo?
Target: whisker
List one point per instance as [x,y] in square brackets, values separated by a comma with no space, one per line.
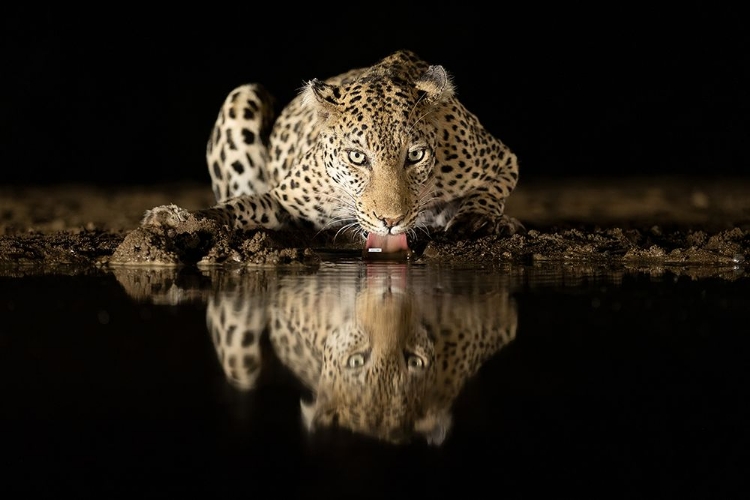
[419,120]
[344,229]
[338,221]
[414,107]
[420,227]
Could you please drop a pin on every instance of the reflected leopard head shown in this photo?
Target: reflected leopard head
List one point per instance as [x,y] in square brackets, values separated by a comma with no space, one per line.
[379,373]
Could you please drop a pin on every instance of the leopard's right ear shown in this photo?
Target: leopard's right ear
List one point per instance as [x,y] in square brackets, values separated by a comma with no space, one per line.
[322,97]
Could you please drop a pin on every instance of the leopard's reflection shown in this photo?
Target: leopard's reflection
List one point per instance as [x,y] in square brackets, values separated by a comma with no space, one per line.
[383,356]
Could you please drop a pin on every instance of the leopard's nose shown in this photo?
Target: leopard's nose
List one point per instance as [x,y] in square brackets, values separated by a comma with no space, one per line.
[391,221]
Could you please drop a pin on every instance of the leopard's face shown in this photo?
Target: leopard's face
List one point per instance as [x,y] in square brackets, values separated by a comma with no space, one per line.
[378,144]
[385,169]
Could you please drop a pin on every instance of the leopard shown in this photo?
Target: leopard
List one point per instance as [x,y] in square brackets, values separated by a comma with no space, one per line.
[384,153]
[382,355]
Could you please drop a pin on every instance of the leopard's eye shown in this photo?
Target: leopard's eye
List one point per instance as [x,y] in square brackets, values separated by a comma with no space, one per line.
[414,361]
[356,157]
[415,155]
[355,360]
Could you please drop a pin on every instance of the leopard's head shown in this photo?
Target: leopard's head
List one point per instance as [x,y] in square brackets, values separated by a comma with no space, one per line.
[378,135]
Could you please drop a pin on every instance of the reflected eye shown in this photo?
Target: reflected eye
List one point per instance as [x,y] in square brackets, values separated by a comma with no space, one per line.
[355,360]
[415,155]
[356,157]
[414,361]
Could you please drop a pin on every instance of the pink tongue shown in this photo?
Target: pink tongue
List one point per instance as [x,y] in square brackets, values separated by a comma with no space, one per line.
[378,243]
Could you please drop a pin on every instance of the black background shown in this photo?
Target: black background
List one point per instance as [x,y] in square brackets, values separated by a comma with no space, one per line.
[125,96]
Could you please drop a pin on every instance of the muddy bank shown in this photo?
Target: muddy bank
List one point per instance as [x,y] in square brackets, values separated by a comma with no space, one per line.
[639,221]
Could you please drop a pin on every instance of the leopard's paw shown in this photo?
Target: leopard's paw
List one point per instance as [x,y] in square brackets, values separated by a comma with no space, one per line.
[165,216]
[508,226]
[170,235]
[474,225]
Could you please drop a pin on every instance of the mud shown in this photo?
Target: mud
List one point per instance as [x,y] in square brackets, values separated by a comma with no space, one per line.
[650,222]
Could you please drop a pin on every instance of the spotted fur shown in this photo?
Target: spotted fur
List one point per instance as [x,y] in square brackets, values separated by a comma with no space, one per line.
[381,357]
[387,149]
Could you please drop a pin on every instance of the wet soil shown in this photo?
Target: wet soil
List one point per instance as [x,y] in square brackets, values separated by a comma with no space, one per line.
[697,223]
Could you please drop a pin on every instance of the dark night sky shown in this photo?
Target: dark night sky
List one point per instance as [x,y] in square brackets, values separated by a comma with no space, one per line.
[123,96]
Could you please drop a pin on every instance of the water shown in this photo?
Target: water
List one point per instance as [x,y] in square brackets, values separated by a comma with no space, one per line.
[608,382]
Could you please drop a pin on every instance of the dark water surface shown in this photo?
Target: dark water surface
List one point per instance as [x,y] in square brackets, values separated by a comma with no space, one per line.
[556,381]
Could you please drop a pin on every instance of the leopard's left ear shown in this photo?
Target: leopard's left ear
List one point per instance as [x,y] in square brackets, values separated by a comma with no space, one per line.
[321,96]
[435,85]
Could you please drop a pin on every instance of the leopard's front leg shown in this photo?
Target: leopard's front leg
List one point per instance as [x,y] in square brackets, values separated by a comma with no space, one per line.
[242,212]
[475,187]
[481,213]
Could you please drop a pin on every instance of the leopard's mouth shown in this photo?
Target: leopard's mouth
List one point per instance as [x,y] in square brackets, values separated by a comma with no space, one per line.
[386,246]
